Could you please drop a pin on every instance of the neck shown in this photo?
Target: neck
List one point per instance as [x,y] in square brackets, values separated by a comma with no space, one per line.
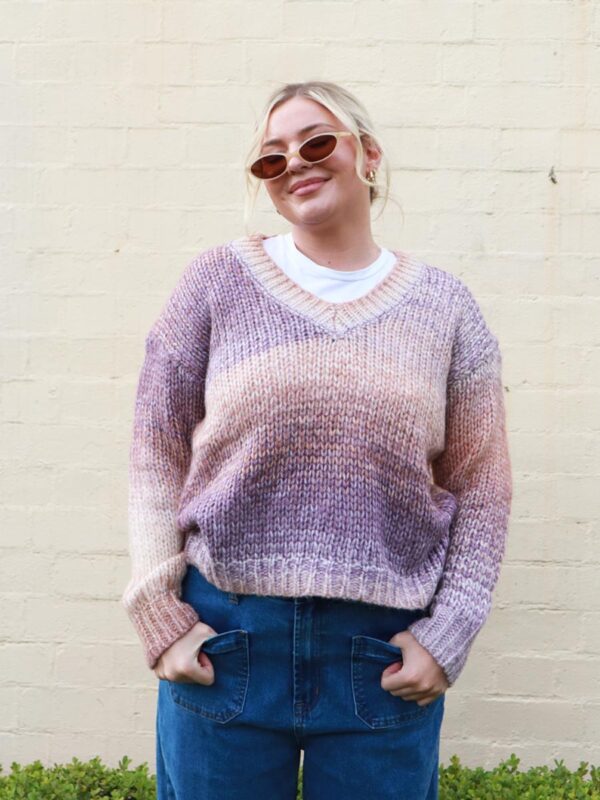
[338,249]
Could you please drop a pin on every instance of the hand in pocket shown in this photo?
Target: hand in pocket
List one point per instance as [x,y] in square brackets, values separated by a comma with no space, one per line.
[418,676]
[182,663]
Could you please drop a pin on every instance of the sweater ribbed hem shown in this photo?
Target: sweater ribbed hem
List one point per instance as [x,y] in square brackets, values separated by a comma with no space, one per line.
[160,623]
[295,576]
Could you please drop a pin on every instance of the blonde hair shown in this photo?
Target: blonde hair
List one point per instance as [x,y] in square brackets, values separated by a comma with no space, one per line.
[346,107]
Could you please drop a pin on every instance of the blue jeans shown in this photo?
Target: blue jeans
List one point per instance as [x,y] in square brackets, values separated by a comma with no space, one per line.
[292,674]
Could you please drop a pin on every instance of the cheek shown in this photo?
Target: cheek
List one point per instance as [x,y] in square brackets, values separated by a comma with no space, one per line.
[273,191]
[347,171]
[272,196]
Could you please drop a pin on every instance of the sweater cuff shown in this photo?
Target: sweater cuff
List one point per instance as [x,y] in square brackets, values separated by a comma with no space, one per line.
[448,636]
[160,623]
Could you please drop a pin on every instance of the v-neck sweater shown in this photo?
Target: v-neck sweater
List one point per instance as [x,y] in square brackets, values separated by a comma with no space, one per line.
[333,285]
[286,445]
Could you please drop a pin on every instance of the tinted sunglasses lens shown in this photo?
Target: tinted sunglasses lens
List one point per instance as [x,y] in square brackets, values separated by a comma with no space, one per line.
[268,166]
[319,147]
[316,149]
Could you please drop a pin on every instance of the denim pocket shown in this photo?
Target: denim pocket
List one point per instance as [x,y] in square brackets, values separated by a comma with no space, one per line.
[225,698]
[372,704]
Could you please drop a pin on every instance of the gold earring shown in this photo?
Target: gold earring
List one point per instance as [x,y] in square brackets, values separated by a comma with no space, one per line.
[371,176]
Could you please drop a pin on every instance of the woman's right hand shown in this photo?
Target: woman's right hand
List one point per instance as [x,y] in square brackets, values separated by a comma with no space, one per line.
[182,663]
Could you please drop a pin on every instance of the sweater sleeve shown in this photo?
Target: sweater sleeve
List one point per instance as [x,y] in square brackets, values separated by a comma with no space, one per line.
[169,403]
[475,467]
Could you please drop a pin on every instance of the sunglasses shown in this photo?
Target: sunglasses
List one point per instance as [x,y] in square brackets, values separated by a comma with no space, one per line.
[312,151]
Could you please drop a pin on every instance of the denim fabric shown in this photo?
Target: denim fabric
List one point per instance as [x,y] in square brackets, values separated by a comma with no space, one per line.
[292,674]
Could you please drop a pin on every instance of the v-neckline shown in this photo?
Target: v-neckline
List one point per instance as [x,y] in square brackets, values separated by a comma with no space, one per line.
[333,317]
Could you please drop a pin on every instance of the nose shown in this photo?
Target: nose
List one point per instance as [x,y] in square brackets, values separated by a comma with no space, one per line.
[295,164]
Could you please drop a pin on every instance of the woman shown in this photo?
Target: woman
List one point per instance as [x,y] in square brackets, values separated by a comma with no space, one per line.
[320,487]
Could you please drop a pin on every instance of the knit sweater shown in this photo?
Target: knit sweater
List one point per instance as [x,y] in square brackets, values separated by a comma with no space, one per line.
[286,445]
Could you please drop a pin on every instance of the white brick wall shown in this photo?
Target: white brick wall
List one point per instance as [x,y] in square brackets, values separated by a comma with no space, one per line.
[122,131]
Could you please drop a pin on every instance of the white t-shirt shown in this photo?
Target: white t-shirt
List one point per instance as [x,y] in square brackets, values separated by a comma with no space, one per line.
[333,285]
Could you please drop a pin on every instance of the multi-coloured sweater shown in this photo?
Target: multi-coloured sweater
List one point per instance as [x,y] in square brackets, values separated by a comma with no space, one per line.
[286,445]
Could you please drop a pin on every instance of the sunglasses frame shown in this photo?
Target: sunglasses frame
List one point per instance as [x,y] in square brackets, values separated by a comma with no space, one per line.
[336,134]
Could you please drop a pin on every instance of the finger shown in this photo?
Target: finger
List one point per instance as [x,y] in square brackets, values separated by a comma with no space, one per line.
[409,694]
[422,698]
[203,659]
[203,671]
[399,682]
[404,690]
[425,701]
[412,691]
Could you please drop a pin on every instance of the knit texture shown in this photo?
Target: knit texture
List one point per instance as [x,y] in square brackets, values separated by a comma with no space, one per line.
[286,445]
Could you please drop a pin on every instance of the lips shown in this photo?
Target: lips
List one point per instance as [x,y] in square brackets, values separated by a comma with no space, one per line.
[308,182]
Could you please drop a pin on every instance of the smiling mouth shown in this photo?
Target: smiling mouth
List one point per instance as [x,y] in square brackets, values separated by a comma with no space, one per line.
[309,187]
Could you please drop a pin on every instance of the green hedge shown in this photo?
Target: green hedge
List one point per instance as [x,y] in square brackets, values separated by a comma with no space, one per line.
[506,782]
[92,780]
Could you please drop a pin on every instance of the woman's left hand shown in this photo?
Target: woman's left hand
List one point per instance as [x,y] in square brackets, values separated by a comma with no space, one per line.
[418,676]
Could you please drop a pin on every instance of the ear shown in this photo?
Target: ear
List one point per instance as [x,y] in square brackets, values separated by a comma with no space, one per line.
[372,152]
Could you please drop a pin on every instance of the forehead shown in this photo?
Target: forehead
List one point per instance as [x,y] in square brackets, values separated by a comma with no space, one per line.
[297,117]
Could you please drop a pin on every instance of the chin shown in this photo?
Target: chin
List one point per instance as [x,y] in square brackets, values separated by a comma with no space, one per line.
[314,212]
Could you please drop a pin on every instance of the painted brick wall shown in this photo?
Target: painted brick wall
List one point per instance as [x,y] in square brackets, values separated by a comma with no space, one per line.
[122,136]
